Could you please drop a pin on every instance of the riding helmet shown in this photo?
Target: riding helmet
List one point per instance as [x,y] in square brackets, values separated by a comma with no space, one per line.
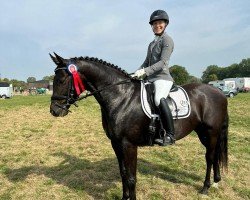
[159,15]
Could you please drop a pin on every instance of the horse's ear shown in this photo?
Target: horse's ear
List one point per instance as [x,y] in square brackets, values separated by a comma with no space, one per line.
[59,59]
[54,59]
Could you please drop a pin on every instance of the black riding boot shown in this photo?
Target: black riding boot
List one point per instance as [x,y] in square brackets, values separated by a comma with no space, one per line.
[168,124]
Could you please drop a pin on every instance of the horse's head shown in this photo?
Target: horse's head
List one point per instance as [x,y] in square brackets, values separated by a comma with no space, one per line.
[64,93]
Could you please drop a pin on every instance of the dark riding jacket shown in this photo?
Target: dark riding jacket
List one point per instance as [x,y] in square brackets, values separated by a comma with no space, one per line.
[158,56]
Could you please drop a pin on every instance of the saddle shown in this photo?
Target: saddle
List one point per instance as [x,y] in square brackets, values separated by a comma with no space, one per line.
[178,102]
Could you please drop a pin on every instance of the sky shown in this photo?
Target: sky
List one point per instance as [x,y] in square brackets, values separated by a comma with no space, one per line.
[205,33]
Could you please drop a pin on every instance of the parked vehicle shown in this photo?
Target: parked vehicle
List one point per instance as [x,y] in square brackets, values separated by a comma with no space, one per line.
[6,90]
[221,83]
[41,91]
[242,84]
[246,84]
[218,83]
[229,92]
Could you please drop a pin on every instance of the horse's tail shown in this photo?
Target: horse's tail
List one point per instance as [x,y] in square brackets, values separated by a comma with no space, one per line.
[222,144]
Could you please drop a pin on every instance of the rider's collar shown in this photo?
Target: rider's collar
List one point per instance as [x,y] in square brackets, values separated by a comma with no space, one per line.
[157,37]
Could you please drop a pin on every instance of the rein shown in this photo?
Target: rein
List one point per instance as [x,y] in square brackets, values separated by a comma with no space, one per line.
[104,88]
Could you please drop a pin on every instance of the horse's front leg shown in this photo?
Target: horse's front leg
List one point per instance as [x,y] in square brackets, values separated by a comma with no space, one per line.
[126,154]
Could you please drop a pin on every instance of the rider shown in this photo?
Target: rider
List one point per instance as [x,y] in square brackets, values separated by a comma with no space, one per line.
[155,69]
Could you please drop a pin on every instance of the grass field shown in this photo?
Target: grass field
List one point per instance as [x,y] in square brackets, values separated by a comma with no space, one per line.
[42,157]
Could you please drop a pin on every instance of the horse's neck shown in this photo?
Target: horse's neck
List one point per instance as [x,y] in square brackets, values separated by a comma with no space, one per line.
[103,76]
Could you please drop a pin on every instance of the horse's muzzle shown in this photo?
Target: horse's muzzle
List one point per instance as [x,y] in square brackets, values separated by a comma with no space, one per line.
[58,111]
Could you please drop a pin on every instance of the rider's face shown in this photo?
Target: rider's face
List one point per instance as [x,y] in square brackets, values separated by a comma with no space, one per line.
[158,26]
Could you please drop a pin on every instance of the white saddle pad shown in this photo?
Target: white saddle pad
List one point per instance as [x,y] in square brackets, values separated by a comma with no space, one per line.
[180,107]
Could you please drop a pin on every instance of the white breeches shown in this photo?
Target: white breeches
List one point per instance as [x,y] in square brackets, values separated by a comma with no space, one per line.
[162,89]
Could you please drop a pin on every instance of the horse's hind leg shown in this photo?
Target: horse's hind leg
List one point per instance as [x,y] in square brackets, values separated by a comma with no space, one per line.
[216,168]
[207,183]
[221,154]
[210,158]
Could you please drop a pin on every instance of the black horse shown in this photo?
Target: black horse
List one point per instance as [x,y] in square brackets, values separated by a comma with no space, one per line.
[125,122]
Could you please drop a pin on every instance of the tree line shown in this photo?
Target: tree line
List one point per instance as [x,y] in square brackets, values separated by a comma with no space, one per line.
[24,85]
[179,74]
[213,72]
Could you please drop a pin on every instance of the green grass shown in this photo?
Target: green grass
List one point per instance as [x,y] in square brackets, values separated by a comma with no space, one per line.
[22,101]
[43,157]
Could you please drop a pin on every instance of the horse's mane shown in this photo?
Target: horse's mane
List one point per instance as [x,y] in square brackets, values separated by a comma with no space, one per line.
[86,58]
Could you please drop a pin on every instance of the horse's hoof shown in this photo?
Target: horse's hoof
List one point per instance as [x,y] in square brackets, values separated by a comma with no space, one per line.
[204,191]
[203,196]
[215,185]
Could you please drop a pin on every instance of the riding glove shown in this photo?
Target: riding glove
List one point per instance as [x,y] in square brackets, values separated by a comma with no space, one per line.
[140,73]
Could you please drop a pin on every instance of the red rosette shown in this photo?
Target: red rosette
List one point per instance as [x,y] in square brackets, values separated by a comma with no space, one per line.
[78,84]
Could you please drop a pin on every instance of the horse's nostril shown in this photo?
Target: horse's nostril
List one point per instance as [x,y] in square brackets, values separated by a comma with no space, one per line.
[57,111]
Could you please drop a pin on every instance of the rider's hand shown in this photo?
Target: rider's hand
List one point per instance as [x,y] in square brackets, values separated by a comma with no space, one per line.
[140,73]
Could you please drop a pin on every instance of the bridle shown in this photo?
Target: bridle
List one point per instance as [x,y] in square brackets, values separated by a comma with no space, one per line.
[72,98]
